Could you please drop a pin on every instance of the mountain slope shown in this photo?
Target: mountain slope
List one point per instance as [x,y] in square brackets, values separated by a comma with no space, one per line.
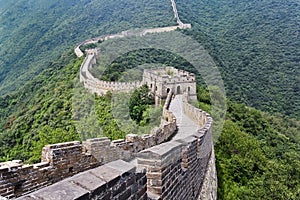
[256,45]
[33,34]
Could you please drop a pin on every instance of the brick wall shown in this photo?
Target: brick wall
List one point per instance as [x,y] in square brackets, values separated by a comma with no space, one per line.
[176,169]
[115,180]
[181,169]
[63,160]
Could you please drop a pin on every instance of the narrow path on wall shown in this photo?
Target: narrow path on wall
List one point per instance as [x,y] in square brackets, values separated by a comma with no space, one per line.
[186,126]
[176,12]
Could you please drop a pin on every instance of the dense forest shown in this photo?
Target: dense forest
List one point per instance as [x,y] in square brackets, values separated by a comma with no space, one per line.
[34,34]
[257,154]
[255,45]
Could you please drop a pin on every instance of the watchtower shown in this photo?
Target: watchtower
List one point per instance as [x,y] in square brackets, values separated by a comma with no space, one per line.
[163,80]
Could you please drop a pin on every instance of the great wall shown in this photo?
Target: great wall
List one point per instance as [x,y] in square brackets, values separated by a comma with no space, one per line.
[175,161]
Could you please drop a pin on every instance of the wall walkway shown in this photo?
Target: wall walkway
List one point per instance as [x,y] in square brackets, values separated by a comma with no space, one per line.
[186,126]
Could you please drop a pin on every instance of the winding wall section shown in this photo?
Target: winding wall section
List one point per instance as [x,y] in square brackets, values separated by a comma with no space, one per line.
[138,167]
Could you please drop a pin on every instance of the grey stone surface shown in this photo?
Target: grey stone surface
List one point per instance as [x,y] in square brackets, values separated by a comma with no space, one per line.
[210,185]
[63,190]
[187,140]
[122,166]
[106,173]
[88,181]
[160,151]
[104,182]
[186,126]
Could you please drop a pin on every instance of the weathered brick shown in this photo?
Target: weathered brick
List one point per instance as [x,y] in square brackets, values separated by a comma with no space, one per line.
[125,195]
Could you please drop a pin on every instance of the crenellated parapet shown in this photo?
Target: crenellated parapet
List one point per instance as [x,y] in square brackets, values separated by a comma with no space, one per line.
[101,87]
[178,169]
[60,161]
[183,168]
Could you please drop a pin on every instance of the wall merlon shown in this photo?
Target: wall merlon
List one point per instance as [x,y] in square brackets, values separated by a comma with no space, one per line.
[62,145]
[159,151]
[188,140]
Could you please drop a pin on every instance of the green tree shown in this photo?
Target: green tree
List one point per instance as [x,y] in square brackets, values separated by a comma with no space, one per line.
[139,102]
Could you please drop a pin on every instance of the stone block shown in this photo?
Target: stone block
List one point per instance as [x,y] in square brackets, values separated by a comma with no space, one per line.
[187,140]
[90,182]
[161,151]
[122,166]
[125,195]
[63,190]
[118,188]
[62,145]
[41,165]
[107,174]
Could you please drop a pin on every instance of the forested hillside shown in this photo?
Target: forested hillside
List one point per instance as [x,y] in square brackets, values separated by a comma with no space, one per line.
[33,34]
[36,81]
[256,45]
[257,154]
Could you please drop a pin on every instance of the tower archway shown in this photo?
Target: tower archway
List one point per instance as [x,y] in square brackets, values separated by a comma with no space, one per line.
[178,89]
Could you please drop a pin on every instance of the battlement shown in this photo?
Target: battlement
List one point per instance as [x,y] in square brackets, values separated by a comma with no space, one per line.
[180,169]
[183,168]
[161,81]
[60,161]
[100,87]
[169,75]
[115,180]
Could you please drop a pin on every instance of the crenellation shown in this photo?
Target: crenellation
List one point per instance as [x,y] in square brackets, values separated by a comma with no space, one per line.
[63,160]
[169,171]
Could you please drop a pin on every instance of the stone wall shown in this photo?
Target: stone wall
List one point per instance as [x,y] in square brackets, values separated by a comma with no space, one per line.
[163,80]
[123,34]
[196,114]
[181,169]
[184,168]
[58,162]
[63,160]
[180,23]
[100,87]
[209,188]
[177,169]
[115,180]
